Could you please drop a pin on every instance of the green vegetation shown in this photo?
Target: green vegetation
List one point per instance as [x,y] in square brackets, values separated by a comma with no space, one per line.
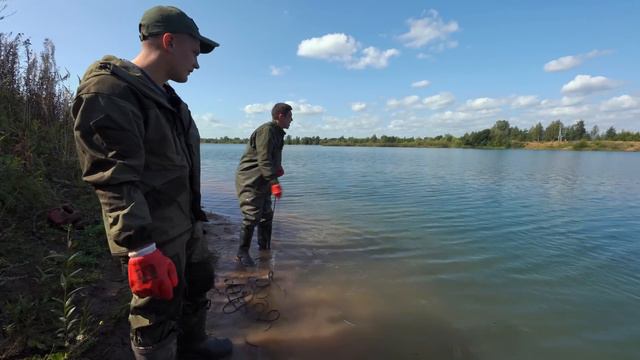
[501,136]
[46,272]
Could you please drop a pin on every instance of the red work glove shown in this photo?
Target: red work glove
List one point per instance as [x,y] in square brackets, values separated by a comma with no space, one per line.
[152,275]
[276,190]
[280,171]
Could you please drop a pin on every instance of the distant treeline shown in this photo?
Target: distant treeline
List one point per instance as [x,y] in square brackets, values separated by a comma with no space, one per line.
[501,135]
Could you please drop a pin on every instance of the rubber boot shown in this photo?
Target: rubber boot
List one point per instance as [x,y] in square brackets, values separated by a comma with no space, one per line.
[264,235]
[246,233]
[164,350]
[194,343]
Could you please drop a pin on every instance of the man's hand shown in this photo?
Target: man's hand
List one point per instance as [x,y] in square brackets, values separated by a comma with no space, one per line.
[276,190]
[280,171]
[153,275]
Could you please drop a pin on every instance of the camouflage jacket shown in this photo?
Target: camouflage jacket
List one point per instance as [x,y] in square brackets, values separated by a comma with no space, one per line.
[261,159]
[140,149]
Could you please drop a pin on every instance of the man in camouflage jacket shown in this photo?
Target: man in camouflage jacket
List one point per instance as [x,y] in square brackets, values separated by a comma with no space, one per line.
[140,149]
[257,179]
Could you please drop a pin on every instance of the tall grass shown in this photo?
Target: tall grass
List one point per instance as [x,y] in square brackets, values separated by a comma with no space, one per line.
[38,171]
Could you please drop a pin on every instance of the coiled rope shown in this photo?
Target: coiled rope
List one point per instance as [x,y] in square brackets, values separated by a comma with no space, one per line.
[251,296]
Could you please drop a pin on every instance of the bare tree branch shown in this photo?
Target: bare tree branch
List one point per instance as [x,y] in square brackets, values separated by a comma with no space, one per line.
[3,8]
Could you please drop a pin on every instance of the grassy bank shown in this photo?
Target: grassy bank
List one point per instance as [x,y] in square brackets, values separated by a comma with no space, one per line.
[48,272]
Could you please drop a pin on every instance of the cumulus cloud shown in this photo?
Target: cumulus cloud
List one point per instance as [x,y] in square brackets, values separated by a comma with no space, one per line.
[358,106]
[360,122]
[258,108]
[525,101]
[407,101]
[571,61]
[620,103]
[336,47]
[343,48]
[373,57]
[278,71]
[587,84]
[429,30]
[301,107]
[439,101]
[207,119]
[421,84]
[482,103]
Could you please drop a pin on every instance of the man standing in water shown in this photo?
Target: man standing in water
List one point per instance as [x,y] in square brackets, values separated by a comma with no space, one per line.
[140,149]
[257,179]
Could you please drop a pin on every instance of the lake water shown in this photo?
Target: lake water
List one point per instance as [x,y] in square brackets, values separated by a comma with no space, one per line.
[455,253]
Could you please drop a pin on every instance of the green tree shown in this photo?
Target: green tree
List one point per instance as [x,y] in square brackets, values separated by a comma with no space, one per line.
[536,133]
[610,134]
[500,134]
[552,132]
[576,131]
[595,132]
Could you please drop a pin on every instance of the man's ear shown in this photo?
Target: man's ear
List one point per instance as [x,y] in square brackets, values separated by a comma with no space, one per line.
[168,40]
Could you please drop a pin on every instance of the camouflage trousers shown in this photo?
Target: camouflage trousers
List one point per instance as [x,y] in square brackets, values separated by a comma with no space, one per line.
[154,320]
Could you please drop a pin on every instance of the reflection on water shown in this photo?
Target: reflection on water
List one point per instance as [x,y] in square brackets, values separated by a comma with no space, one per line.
[448,253]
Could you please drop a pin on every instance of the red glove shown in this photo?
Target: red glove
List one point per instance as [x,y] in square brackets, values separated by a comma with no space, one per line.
[276,190]
[152,275]
[280,171]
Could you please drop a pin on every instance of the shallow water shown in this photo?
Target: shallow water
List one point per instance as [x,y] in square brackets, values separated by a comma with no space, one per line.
[449,253]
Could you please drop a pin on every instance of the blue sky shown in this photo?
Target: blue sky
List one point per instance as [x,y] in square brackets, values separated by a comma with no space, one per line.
[357,68]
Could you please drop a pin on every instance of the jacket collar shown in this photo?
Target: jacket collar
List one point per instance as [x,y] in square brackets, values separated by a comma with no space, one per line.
[132,75]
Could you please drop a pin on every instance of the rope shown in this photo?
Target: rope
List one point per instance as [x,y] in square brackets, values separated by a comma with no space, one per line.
[251,296]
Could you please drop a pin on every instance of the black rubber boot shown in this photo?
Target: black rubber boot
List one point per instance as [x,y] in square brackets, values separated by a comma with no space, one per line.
[194,343]
[165,350]
[264,235]
[246,233]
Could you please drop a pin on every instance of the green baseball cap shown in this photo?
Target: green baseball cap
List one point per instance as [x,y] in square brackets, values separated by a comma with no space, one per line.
[169,19]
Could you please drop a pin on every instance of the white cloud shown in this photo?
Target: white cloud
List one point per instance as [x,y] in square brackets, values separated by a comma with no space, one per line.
[571,100]
[358,106]
[620,103]
[571,61]
[359,122]
[428,30]
[374,58]
[278,71]
[258,108]
[482,103]
[562,63]
[303,108]
[565,101]
[439,101]
[360,125]
[344,48]
[407,101]
[566,113]
[335,47]
[525,101]
[207,119]
[587,84]
[421,84]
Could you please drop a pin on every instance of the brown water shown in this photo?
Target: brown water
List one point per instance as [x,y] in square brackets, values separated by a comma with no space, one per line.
[324,314]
